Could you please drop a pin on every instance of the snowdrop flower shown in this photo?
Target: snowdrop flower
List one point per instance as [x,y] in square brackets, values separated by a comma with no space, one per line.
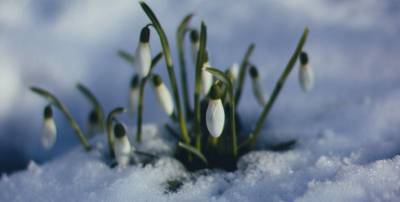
[49,135]
[233,72]
[215,115]
[206,77]
[143,53]
[163,95]
[133,93]
[122,147]
[195,44]
[257,89]
[306,74]
[93,122]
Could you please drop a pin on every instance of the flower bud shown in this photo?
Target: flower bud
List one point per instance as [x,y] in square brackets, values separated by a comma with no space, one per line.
[195,44]
[122,147]
[93,122]
[133,93]
[215,115]
[163,95]
[143,54]
[49,135]
[306,74]
[233,72]
[206,77]
[257,88]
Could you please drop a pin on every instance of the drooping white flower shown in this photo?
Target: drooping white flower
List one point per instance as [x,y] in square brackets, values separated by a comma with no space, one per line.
[143,54]
[163,95]
[93,123]
[206,78]
[233,72]
[257,88]
[122,147]
[306,74]
[49,135]
[133,94]
[195,44]
[215,115]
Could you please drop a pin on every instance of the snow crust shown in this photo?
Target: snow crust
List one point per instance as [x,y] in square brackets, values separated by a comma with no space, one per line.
[302,174]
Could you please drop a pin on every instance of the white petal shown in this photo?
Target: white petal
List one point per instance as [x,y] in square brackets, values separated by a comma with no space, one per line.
[143,59]
[206,79]
[122,150]
[306,78]
[133,99]
[234,71]
[49,135]
[258,91]
[165,99]
[215,117]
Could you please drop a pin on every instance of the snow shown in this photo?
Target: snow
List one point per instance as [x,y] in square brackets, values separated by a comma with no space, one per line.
[347,127]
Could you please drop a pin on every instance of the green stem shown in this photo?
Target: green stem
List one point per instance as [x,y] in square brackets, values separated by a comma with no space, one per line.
[56,102]
[140,110]
[126,56]
[110,119]
[197,92]
[154,61]
[95,103]
[278,86]
[170,68]
[242,72]
[180,37]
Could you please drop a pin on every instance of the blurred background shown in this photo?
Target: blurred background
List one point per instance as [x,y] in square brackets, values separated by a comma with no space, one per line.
[353,45]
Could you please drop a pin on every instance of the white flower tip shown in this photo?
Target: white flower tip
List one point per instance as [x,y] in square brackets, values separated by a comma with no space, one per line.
[306,78]
[215,117]
[49,135]
[163,95]
[143,59]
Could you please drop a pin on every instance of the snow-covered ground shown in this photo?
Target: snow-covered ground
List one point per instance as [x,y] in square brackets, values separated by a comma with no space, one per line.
[348,127]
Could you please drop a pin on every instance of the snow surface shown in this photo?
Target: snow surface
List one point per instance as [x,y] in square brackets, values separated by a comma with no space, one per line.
[303,174]
[348,127]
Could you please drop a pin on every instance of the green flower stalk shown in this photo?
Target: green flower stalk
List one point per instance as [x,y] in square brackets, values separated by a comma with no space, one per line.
[163,95]
[122,147]
[170,68]
[278,87]
[54,100]
[242,72]
[49,128]
[257,88]
[306,74]
[143,53]
[215,115]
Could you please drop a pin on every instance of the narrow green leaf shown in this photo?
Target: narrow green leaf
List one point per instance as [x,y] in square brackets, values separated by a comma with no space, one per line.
[193,150]
[242,72]
[126,56]
[278,87]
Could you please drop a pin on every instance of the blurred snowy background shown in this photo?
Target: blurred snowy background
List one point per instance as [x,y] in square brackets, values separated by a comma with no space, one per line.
[353,45]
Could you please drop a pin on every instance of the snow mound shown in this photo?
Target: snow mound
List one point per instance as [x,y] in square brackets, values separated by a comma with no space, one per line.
[296,175]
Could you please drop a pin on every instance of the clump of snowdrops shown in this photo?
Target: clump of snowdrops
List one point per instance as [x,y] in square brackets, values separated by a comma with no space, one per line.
[208,130]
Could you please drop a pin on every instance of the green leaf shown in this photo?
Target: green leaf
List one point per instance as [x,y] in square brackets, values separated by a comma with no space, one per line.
[126,56]
[193,150]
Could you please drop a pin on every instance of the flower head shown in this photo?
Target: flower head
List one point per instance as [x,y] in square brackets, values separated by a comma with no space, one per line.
[306,74]
[257,88]
[143,53]
[122,147]
[163,95]
[215,115]
[49,135]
